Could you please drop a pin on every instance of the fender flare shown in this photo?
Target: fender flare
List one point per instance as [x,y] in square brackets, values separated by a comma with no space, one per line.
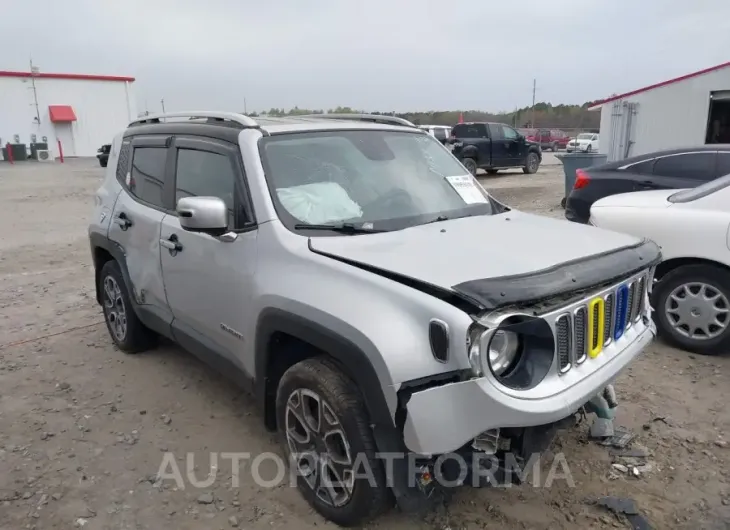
[97,240]
[469,151]
[353,361]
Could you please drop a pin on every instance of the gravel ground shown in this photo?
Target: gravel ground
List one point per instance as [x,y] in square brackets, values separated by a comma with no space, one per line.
[83,428]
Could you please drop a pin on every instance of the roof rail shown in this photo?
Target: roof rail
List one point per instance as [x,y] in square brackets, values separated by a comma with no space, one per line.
[375,118]
[192,115]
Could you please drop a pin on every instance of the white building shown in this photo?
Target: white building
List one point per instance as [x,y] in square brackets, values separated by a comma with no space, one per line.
[688,111]
[81,111]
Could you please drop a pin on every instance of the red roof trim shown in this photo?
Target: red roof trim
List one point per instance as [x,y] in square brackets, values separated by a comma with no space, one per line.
[85,77]
[659,85]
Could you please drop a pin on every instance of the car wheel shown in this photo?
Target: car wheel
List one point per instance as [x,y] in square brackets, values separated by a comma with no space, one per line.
[692,308]
[589,149]
[330,443]
[471,165]
[562,202]
[531,164]
[126,330]
[492,171]
[554,148]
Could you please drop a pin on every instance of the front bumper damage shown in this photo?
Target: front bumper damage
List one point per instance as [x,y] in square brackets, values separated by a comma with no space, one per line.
[446,418]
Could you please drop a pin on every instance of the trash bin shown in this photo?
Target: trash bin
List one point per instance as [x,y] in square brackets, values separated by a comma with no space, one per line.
[572,162]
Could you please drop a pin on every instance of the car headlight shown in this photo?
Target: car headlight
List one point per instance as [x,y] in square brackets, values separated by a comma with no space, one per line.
[518,350]
[503,350]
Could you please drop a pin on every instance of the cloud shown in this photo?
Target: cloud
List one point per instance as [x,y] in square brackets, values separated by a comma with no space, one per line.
[377,55]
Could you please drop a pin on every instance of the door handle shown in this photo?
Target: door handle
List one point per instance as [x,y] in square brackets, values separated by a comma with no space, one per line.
[123,221]
[171,244]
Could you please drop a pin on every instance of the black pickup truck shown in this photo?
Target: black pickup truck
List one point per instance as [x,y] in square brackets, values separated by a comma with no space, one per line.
[493,146]
[103,154]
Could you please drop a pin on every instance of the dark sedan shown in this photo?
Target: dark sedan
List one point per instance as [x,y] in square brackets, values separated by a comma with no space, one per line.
[672,169]
[103,154]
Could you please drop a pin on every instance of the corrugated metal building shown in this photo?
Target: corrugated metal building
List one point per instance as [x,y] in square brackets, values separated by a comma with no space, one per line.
[82,111]
[688,111]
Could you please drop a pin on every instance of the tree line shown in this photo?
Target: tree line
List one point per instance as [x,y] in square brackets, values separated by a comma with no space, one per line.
[547,115]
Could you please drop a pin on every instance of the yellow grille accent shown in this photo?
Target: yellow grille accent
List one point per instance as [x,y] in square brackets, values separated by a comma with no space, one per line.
[596,326]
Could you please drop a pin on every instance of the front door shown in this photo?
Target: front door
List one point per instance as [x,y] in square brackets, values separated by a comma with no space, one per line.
[685,170]
[137,218]
[209,280]
[513,146]
[65,135]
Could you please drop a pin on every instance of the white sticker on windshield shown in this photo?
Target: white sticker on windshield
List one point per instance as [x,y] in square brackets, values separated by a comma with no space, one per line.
[467,188]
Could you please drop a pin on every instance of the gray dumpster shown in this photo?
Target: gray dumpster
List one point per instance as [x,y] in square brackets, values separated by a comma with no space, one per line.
[573,161]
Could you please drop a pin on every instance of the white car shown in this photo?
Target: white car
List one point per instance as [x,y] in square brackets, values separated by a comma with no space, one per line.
[584,143]
[440,132]
[691,292]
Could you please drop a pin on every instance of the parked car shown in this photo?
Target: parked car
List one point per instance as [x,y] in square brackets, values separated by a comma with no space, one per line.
[457,325]
[493,146]
[103,154]
[553,139]
[584,142]
[691,298]
[671,169]
[440,132]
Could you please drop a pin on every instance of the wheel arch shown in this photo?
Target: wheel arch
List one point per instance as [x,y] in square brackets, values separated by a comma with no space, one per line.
[277,330]
[103,250]
[672,264]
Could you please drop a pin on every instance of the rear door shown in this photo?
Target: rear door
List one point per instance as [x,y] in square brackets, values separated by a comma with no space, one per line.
[681,170]
[476,135]
[138,215]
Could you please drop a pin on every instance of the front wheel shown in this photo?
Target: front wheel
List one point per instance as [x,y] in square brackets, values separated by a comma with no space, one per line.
[692,308]
[471,165]
[330,443]
[589,149]
[554,148]
[531,164]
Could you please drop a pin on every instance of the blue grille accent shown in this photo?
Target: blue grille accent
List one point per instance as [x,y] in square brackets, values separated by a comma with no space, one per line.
[622,308]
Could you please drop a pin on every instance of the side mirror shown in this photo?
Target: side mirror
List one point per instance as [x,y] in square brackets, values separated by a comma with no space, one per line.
[208,215]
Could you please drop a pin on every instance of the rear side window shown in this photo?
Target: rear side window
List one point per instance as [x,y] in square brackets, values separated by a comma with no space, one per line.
[642,168]
[723,164]
[440,133]
[473,130]
[696,166]
[123,161]
[205,174]
[147,176]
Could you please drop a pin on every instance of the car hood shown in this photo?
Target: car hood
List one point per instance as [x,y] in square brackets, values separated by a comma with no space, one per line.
[637,199]
[507,248]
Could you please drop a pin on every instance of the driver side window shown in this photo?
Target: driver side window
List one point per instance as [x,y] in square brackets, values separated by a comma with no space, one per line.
[509,133]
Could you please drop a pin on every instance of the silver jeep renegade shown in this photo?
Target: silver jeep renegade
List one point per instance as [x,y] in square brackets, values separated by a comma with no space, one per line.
[377,301]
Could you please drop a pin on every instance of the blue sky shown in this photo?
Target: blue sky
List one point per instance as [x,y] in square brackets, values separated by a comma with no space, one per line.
[375,55]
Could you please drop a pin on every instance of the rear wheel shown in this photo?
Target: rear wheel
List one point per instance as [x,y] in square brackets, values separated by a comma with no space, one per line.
[471,165]
[330,443]
[692,308]
[531,164]
[554,148]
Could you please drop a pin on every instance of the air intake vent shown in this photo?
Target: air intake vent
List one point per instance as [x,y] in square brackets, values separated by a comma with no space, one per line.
[438,335]
[563,339]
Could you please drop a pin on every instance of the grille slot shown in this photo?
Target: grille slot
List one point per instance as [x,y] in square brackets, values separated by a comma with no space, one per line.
[564,340]
[608,315]
[595,317]
[579,323]
[638,299]
[630,306]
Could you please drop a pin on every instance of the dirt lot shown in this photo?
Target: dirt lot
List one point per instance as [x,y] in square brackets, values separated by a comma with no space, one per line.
[84,427]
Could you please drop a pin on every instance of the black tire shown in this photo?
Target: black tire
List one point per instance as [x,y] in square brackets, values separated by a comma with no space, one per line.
[713,276]
[554,148]
[492,171]
[471,165]
[589,149]
[532,164]
[563,201]
[369,498]
[102,163]
[136,337]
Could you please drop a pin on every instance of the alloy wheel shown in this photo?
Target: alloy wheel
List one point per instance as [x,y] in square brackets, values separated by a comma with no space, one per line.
[114,308]
[698,311]
[319,447]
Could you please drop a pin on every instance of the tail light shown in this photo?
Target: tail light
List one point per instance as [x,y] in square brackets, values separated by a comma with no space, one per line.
[581,179]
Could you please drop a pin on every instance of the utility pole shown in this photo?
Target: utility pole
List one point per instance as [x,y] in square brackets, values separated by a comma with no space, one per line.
[162,102]
[534,89]
[33,71]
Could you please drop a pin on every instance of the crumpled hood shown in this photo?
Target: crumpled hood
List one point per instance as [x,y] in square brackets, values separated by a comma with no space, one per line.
[450,253]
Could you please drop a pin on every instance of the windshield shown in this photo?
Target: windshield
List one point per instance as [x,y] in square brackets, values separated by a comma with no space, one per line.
[384,180]
[585,136]
[700,191]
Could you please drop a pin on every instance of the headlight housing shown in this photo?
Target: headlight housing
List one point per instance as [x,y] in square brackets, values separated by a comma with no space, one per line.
[518,350]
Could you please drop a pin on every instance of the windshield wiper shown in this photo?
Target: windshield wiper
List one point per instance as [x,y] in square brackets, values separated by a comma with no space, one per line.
[438,219]
[345,228]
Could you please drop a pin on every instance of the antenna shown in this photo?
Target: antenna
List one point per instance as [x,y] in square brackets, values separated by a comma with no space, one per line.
[34,70]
